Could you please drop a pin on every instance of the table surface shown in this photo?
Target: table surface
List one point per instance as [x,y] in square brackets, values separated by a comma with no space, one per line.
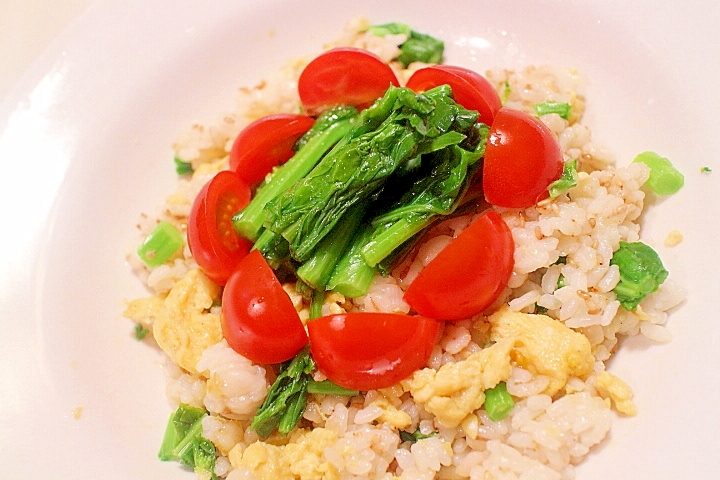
[28,27]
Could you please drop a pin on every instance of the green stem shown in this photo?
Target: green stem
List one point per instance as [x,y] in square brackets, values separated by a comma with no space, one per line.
[388,239]
[316,271]
[352,275]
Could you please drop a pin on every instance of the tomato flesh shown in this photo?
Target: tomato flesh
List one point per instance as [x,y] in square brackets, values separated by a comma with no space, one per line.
[522,159]
[216,247]
[470,89]
[367,351]
[344,76]
[266,143]
[259,320]
[468,275]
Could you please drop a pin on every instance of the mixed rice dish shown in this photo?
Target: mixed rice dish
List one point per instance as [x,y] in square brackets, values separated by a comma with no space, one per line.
[511,386]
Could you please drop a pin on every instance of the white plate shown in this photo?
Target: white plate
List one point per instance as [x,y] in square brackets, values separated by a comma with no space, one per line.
[85,146]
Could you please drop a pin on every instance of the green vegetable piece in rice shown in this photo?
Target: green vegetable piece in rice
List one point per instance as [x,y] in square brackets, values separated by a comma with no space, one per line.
[286,400]
[418,47]
[414,436]
[183,441]
[160,245]
[141,331]
[641,273]
[182,167]
[560,108]
[664,178]
[498,402]
[567,180]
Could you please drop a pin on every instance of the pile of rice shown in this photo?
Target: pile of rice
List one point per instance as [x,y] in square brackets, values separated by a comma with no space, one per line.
[543,437]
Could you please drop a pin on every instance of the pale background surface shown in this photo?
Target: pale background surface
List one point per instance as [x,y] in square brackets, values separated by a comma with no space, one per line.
[26,28]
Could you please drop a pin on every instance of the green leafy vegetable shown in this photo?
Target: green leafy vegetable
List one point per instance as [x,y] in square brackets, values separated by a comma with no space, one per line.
[286,400]
[560,108]
[182,167]
[664,179]
[498,402]
[160,245]
[326,387]
[248,222]
[415,436]
[641,273]
[567,181]
[141,331]
[183,441]
[705,169]
[418,47]
[389,137]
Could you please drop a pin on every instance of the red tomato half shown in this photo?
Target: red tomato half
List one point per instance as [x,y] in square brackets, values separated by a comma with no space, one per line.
[266,143]
[366,351]
[259,320]
[522,159]
[470,89]
[213,243]
[468,275]
[344,76]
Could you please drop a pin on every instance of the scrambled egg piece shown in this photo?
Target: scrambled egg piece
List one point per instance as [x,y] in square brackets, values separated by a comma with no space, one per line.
[613,388]
[301,458]
[458,389]
[183,327]
[544,346]
[391,415]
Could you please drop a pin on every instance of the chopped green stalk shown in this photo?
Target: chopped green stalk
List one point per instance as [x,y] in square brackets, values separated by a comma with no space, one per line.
[182,167]
[316,304]
[326,387]
[160,245]
[273,247]
[396,129]
[304,289]
[664,178]
[352,275]
[641,273]
[183,441]
[249,221]
[507,90]
[287,397]
[498,402]
[705,169]
[141,331]
[316,271]
[560,108]
[567,181]
[415,436]
[418,47]
[561,282]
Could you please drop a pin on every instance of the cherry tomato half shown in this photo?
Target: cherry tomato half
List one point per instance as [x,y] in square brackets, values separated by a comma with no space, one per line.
[259,320]
[266,143]
[367,351]
[216,247]
[344,76]
[468,275]
[522,159]
[470,89]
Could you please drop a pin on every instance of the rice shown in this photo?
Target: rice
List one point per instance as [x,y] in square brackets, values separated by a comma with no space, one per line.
[571,238]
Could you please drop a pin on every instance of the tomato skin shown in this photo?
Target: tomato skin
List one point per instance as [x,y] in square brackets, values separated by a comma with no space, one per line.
[344,76]
[259,320]
[367,351]
[522,159]
[266,143]
[216,247]
[470,89]
[468,275]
